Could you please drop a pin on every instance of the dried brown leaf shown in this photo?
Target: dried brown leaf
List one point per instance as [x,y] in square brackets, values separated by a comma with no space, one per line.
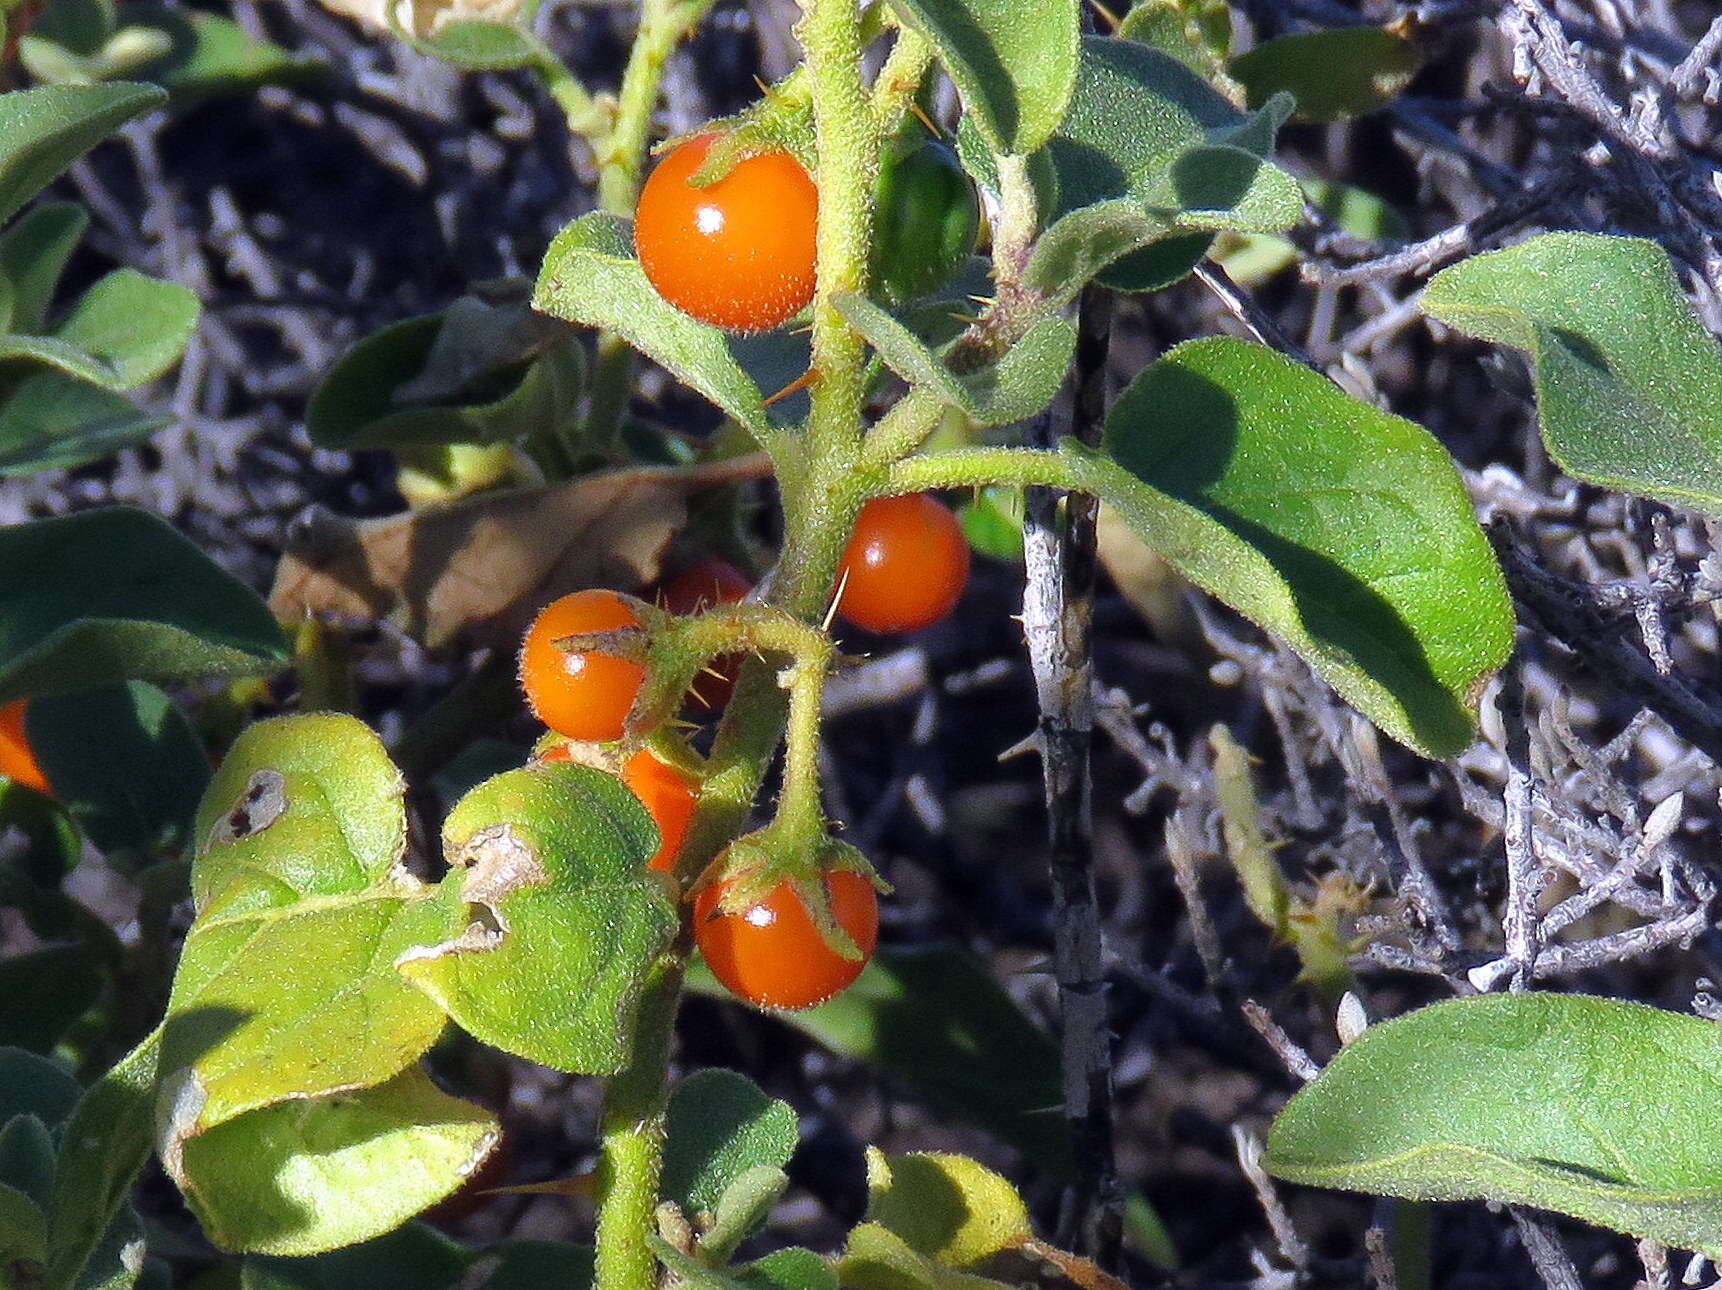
[477,570]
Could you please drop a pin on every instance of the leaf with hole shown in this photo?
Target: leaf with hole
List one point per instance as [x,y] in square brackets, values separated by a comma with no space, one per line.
[1629,382]
[1342,529]
[558,917]
[1596,1108]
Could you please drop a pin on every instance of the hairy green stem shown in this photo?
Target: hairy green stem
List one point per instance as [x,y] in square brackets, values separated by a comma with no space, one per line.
[822,494]
[905,427]
[978,467]
[631,1157]
[901,76]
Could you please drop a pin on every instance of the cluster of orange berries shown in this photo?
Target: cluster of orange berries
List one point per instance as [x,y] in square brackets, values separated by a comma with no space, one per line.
[903,569]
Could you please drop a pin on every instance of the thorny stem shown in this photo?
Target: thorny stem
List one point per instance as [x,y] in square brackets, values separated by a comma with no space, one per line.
[821,495]
[1059,545]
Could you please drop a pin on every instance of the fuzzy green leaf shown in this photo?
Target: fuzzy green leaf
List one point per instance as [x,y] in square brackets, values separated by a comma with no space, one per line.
[33,255]
[1342,529]
[125,330]
[116,595]
[1596,1108]
[315,1174]
[591,277]
[1333,74]
[720,1126]
[1629,383]
[209,55]
[1015,76]
[556,917]
[141,794]
[414,1257]
[51,421]
[44,130]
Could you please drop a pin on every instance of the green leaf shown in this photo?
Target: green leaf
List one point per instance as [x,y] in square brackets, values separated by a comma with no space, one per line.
[414,1257]
[27,1158]
[311,1175]
[44,992]
[1015,77]
[23,1236]
[82,26]
[1333,74]
[534,1265]
[1135,115]
[475,373]
[127,329]
[104,1145]
[992,522]
[876,1258]
[1198,33]
[790,1269]
[1629,383]
[51,421]
[937,1021]
[286,988]
[1597,1108]
[945,1207]
[1342,529]
[591,277]
[1017,386]
[209,56]
[42,131]
[116,594]
[140,793]
[35,1086]
[742,1210]
[33,255]
[561,917]
[479,45]
[720,1125]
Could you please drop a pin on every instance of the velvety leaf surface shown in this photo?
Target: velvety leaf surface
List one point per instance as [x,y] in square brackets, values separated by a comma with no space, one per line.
[1022,382]
[1333,74]
[948,1208]
[116,594]
[141,793]
[560,916]
[720,1125]
[1629,382]
[414,1257]
[590,276]
[1015,76]
[44,130]
[314,1174]
[51,421]
[125,330]
[33,254]
[1342,529]
[1597,1108]
[1198,33]
[1135,114]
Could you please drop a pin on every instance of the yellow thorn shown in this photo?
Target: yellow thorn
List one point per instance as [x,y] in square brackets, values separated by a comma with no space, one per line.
[932,126]
[836,599]
[801,382]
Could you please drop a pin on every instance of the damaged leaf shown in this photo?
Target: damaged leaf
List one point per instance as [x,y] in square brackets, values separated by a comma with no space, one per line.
[478,570]
[289,1047]
[307,1176]
[561,917]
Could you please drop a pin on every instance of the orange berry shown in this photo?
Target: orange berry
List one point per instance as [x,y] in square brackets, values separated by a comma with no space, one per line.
[773,956]
[695,589]
[582,694]
[905,566]
[17,761]
[737,253]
